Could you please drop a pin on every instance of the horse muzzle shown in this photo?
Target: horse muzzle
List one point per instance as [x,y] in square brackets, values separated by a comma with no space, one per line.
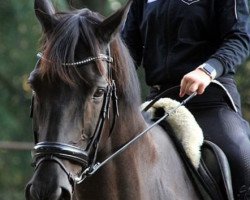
[49,182]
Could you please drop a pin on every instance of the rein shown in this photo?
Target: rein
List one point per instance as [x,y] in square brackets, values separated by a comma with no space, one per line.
[90,171]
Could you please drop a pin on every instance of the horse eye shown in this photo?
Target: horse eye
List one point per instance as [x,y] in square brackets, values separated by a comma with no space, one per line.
[99,93]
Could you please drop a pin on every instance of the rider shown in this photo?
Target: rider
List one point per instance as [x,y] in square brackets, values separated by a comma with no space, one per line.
[191,43]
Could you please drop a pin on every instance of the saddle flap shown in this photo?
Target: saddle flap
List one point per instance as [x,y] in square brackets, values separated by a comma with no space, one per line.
[214,169]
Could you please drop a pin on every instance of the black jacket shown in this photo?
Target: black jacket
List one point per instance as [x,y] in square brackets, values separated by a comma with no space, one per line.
[172,37]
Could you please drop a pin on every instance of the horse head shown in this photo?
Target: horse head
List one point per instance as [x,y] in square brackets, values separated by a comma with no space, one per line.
[74,93]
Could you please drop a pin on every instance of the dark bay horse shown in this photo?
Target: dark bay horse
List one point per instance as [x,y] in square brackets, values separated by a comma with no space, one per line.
[82,71]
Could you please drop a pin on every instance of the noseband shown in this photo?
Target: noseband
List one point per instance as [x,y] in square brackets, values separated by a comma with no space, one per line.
[86,158]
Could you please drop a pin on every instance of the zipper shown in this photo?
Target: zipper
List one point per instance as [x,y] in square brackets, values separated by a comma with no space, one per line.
[235,9]
[167,32]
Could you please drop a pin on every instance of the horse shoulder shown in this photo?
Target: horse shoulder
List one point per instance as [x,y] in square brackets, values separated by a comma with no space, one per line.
[162,168]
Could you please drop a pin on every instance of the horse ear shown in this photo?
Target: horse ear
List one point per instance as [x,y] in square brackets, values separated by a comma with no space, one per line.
[44,11]
[111,25]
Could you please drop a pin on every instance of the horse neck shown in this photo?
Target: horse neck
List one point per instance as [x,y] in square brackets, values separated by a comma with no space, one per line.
[120,177]
[128,125]
[124,170]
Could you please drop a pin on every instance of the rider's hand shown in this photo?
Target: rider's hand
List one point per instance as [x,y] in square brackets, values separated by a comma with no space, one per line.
[195,81]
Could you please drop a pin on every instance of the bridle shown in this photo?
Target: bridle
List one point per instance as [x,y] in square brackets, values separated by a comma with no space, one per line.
[53,151]
[86,158]
[102,57]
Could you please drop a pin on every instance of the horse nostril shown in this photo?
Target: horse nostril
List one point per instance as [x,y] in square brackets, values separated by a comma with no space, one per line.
[27,191]
[59,194]
[66,194]
[56,194]
[31,193]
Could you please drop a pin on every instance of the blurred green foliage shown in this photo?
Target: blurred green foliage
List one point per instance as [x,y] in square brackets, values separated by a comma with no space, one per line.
[19,41]
[243,81]
[19,36]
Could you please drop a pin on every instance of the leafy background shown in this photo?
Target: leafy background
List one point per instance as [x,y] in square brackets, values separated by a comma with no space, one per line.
[19,36]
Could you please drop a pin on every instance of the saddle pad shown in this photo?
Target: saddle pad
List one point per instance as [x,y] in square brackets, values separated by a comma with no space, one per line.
[187,130]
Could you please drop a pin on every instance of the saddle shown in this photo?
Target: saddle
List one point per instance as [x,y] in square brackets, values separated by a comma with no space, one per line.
[211,176]
[215,171]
